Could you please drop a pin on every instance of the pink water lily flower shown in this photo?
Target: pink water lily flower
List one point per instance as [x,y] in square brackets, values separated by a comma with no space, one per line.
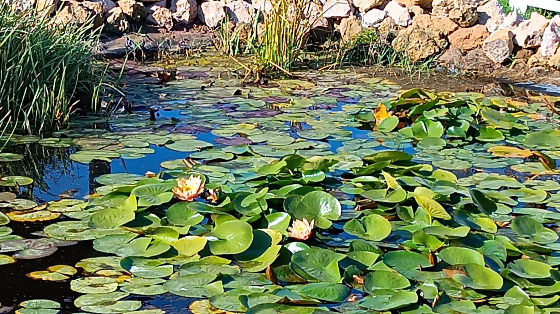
[188,189]
[301,229]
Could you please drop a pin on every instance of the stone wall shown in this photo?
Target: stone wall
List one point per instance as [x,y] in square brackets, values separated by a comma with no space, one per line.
[468,34]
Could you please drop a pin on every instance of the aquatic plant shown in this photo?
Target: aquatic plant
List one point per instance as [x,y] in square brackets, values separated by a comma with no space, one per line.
[405,194]
[46,73]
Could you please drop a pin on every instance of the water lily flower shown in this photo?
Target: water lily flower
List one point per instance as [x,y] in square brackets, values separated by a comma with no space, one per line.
[212,195]
[301,229]
[188,189]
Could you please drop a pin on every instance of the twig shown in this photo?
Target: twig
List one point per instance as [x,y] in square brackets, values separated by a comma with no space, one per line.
[551,107]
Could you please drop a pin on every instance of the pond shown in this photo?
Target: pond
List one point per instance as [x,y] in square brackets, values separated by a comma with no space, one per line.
[332,191]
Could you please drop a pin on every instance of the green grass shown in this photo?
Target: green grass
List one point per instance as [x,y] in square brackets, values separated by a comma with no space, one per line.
[46,73]
[530,10]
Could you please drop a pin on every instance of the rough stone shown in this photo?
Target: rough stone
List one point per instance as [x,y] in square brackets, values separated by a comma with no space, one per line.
[388,29]
[491,14]
[337,9]
[551,37]
[49,6]
[314,14]
[184,11]
[265,6]
[21,5]
[549,61]
[425,4]
[96,7]
[511,20]
[445,26]
[469,38]
[366,5]
[476,61]
[349,27]
[373,18]
[76,12]
[211,13]
[462,12]
[451,59]
[499,45]
[134,10]
[529,33]
[239,11]
[398,13]
[116,21]
[161,17]
[419,43]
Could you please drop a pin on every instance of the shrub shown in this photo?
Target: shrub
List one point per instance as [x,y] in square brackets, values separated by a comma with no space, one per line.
[46,72]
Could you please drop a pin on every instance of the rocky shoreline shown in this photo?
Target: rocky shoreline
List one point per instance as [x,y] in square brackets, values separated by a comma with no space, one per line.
[461,36]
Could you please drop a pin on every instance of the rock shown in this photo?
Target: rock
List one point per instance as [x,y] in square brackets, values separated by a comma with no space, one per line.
[337,9]
[49,6]
[444,26]
[161,17]
[491,14]
[469,38]
[416,10]
[529,33]
[116,21]
[76,12]
[107,5]
[349,27]
[451,59]
[418,43]
[476,61]
[265,6]
[425,4]
[462,12]
[511,20]
[499,45]
[524,54]
[550,61]
[314,14]
[366,5]
[551,37]
[373,18]
[96,7]
[388,30]
[134,10]
[398,13]
[239,11]
[211,13]
[184,11]
[21,5]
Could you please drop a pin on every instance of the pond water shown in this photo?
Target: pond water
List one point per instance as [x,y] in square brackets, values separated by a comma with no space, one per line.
[490,161]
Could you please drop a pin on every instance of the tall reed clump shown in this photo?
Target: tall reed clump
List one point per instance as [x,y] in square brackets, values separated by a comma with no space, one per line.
[46,72]
[283,36]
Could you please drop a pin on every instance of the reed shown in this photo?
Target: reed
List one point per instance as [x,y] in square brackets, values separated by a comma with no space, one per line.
[46,72]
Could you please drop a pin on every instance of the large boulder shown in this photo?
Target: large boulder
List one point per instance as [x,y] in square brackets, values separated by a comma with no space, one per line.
[265,6]
[551,37]
[491,14]
[94,6]
[184,11]
[239,11]
[425,4]
[444,26]
[337,9]
[49,6]
[134,10]
[529,33]
[116,21]
[398,13]
[388,30]
[349,27]
[550,61]
[366,5]
[161,17]
[511,21]
[466,39]
[462,12]
[313,12]
[498,47]
[373,18]
[77,12]
[211,13]
[418,43]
